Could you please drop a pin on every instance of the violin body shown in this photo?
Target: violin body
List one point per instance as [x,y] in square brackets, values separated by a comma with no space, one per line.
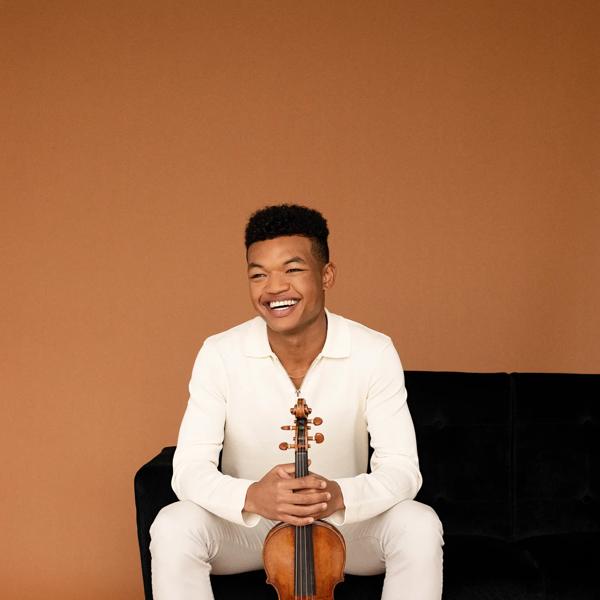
[306,562]
[329,551]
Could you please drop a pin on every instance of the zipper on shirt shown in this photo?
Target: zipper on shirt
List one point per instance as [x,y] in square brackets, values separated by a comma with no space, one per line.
[298,391]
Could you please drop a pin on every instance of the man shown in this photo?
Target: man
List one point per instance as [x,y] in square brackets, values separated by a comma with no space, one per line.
[243,384]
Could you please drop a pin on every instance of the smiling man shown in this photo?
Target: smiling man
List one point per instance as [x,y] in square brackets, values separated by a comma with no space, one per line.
[243,383]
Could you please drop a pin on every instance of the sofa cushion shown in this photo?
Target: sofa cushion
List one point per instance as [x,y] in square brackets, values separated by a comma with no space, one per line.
[481,568]
[249,585]
[253,585]
[568,563]
[462,422]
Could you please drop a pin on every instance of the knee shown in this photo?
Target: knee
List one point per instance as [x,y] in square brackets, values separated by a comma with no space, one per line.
[416,525]
[179,527]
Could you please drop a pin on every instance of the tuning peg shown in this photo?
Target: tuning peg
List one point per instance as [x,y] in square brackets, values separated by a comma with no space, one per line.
[319,437]
[316,421]
[288,427]
[286,446]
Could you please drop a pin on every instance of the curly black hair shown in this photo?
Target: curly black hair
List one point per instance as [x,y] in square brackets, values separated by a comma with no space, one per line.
[289,219]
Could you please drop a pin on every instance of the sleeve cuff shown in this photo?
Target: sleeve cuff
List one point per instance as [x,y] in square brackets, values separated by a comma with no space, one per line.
[250,519]
[244,517]
[337,518]
[350,514]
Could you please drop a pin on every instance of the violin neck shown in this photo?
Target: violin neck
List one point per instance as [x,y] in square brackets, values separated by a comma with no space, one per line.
[301,448]
[301,463]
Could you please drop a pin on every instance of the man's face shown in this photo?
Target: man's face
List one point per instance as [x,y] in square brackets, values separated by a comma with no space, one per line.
[285,271]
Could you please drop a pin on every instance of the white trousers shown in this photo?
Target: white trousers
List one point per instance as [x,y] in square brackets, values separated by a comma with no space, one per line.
[188,543]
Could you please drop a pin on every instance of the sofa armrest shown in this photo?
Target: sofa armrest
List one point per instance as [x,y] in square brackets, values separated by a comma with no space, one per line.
[152,486]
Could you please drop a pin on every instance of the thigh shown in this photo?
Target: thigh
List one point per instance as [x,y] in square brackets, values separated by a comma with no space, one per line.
[239,548]
[406,526]
[364,554]
[186,528]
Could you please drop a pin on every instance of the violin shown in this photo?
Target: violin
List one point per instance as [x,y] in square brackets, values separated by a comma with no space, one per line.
[304,562]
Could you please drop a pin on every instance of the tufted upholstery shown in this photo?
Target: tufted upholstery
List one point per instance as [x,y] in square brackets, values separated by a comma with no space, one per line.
[557,445]
[510,464]
[557,479]
[463,434]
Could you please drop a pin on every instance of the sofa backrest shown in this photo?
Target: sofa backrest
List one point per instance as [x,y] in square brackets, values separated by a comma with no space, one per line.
[556,453]
[463,427]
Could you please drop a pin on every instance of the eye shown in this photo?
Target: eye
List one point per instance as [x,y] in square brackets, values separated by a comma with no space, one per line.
[292,270]
[256,275]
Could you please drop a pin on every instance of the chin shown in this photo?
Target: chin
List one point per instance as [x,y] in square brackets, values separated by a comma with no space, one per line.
[282,325]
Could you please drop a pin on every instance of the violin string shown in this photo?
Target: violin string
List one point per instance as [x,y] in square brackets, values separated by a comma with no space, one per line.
[300,568]
[304,563]
[306,533]
[302,555]
[309,547]
[298,584]
[304,547]
[311,553]
[304,581]
[297,564]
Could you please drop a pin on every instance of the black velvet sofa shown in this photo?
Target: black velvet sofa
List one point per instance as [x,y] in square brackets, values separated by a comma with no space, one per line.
[510,464]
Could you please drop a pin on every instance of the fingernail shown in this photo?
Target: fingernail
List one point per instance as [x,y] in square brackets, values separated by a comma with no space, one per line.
[323,506]
[328,496]
[323,484]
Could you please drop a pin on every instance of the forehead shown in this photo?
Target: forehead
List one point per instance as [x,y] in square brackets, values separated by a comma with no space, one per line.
[280,249]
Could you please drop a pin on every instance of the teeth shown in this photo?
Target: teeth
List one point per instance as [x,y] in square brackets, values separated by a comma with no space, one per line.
[279,303]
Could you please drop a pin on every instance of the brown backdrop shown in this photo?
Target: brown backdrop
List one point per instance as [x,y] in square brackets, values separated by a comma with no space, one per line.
[453,147]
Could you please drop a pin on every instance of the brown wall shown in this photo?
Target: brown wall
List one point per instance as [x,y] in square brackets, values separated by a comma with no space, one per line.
[453,147]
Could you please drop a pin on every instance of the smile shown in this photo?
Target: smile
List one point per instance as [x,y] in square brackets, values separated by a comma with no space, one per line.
[281,308]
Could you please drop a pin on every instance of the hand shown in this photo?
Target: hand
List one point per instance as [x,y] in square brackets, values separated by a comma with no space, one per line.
[280,496]
[336,501]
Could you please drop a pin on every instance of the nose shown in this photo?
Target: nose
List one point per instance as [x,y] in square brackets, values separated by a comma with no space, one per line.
[276,283]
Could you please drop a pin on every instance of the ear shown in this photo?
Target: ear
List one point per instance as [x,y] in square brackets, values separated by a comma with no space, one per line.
[329,273]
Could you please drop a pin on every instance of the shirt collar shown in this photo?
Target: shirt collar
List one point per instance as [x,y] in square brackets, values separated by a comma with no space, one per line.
[337,342]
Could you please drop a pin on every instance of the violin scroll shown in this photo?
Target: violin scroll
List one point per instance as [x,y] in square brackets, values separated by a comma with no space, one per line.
[301,411]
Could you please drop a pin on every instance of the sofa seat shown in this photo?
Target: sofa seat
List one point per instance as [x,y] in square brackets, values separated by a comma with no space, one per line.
[568,563]
[483,568]
[252,585]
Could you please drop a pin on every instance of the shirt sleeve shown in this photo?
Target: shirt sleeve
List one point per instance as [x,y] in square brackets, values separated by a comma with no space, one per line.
[195,464]
[395,474]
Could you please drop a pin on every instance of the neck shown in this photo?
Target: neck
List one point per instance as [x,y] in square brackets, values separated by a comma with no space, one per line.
[300,347]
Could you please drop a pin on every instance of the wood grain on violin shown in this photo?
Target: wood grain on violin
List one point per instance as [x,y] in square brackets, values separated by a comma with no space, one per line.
[307,562]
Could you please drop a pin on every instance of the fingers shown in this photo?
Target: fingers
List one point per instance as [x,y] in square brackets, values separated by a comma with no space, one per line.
[297,521]
[297,510]
[312,497]
[309,482]
[301,515]
[301,504]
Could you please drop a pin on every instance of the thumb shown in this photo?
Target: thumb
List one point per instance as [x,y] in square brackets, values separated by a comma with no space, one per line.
[287,471]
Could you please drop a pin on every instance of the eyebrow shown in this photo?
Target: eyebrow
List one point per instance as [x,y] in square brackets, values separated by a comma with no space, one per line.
[289,260]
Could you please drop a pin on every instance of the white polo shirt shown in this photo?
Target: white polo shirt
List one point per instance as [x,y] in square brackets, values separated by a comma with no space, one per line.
[240,396]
